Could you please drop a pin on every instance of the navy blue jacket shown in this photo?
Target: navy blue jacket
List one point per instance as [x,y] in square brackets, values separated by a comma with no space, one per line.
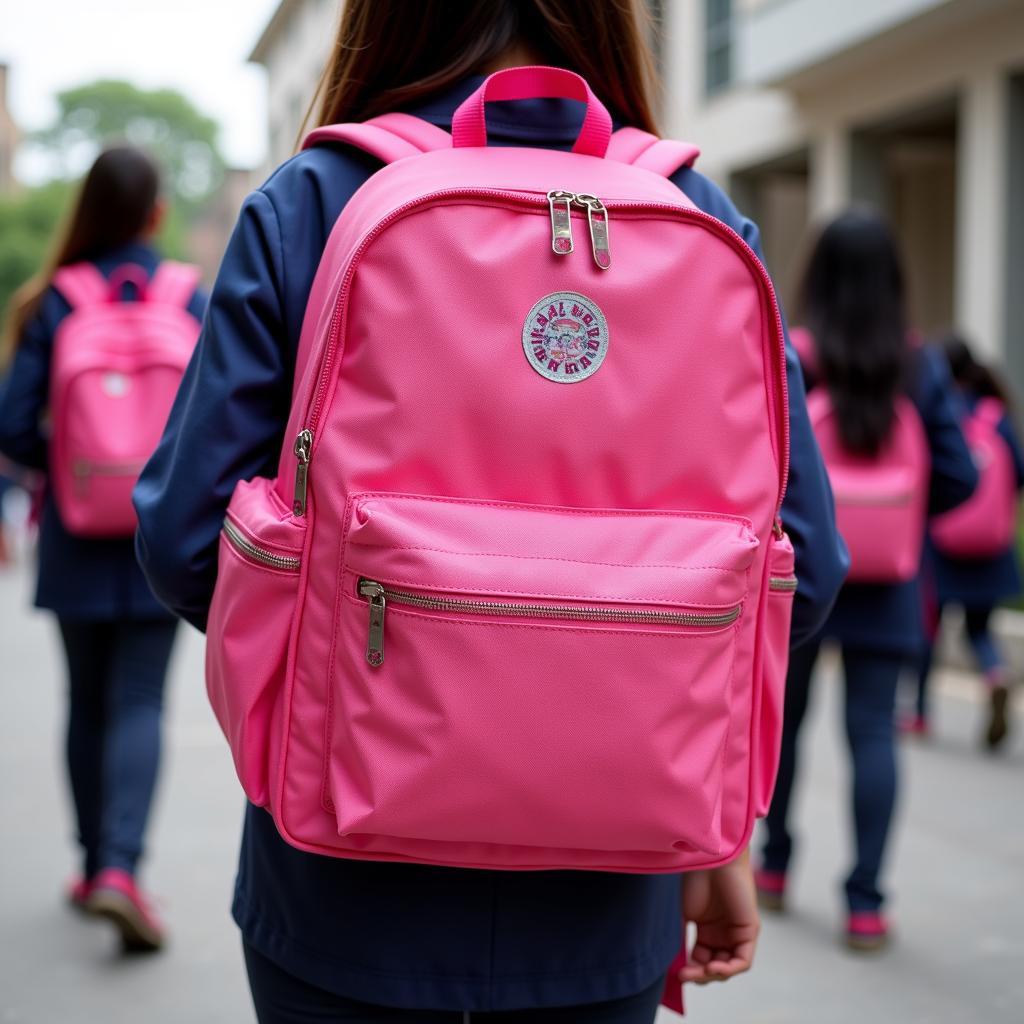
[78,578]
[405,935]
[981,582]
[889,617]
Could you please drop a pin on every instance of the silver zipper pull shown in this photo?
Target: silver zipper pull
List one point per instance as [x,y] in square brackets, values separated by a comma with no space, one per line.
[597,219]
[303,451]
[374,594]
[559,202]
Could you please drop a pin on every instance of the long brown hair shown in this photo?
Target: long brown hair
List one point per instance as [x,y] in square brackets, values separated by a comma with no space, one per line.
[114,206]
[390,54]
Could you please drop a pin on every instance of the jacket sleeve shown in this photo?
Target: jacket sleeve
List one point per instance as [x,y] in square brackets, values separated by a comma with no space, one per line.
[953,474]
[25,390]
[808,512]
[227,421]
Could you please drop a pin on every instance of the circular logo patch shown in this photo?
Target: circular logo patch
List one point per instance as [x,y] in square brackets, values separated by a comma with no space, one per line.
[565,337]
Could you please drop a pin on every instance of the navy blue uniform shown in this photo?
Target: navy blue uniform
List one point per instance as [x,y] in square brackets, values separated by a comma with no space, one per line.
[879,626]
[980,582]
[406,935]
[117,637]
[82,579]
[888,617]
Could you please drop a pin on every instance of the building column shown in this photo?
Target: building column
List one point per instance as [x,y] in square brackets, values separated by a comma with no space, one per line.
[830,172]
[981,249]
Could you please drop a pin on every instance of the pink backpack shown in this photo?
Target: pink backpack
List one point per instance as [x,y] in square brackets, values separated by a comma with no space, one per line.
[881,501]
[985,524]
[519,596]
[116,369]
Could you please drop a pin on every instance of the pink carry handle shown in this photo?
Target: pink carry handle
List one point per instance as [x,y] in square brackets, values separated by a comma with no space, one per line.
[469,125]
[127,273]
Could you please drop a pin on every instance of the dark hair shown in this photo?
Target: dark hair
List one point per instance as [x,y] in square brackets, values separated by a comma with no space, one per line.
[390,54]
[113,207]
[977,378]
[853,305]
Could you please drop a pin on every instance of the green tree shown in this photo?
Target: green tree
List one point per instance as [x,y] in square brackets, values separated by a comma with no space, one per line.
[162,121]
[28,220]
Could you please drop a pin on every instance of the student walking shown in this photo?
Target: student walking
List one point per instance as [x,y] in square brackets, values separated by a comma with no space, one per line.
[971,553]
[97,342]
[885,416]
[363,939]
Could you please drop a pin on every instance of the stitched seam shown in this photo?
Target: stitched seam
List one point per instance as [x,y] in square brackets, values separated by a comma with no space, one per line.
[718,517]
[542,558]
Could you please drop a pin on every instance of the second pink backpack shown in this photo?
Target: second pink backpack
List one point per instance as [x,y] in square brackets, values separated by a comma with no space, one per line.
[983,526]
[518,595]
[115,371]
[881,501]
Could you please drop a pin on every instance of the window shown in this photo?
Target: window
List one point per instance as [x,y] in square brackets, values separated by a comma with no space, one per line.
[717,45]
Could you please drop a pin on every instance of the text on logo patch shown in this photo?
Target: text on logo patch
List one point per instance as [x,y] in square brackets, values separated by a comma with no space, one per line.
[565,337]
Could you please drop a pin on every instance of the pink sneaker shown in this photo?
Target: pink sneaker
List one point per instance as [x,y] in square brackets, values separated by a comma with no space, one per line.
[78,893]
[915,725]
[116,897]
[867,931]
[771,889]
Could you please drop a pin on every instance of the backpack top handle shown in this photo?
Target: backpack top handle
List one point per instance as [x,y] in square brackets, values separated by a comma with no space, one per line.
[469,125]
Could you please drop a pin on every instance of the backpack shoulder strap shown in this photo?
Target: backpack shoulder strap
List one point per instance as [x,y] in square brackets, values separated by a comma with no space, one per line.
[642,149]
[989,411]
[389,137]
[81,284]
[173,283]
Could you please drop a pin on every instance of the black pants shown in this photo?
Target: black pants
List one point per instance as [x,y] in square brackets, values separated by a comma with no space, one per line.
[116,672]
[281,998]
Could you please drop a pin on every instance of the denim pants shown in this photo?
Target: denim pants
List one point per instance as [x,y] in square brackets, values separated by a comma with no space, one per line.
[870,698]
[281,998]
[116,673]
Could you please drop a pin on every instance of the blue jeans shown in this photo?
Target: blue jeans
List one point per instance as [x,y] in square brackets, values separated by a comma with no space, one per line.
[871,681]
[281,998]
[116,672]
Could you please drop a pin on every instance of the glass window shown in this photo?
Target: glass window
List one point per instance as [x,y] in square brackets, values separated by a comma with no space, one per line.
[718,45]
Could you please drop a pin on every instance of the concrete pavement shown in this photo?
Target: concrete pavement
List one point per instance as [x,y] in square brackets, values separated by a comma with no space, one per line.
[957,875]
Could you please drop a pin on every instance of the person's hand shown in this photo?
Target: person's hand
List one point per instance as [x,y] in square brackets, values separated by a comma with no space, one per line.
[722,903]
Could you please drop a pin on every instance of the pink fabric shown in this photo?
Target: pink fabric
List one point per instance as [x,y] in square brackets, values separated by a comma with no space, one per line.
[778,617]
[443,463]
[469,125]
[985,524]
[642,149]
[116,369]
[881,502]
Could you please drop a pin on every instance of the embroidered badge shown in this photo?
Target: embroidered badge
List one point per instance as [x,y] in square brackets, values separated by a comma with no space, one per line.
[565,337]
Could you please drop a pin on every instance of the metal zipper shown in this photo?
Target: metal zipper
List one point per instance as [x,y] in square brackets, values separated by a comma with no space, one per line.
[873,501]
[783,583]
[85,468]
[378,596]
[257,554]
[303,451]
[560,203]
[318,393]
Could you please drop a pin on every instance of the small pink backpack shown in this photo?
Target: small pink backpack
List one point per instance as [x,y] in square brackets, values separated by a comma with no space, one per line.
[115,371]
[881,501]
[519,595]
[985,525]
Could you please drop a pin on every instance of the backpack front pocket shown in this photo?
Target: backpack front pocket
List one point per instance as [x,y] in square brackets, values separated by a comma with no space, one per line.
[249,626]
[535,676]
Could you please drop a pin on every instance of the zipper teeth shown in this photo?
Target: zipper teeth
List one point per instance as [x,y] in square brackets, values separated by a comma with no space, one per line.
[83,467]
[588,613]
[782,583]
[715,225]
[873,501]
[258,554]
